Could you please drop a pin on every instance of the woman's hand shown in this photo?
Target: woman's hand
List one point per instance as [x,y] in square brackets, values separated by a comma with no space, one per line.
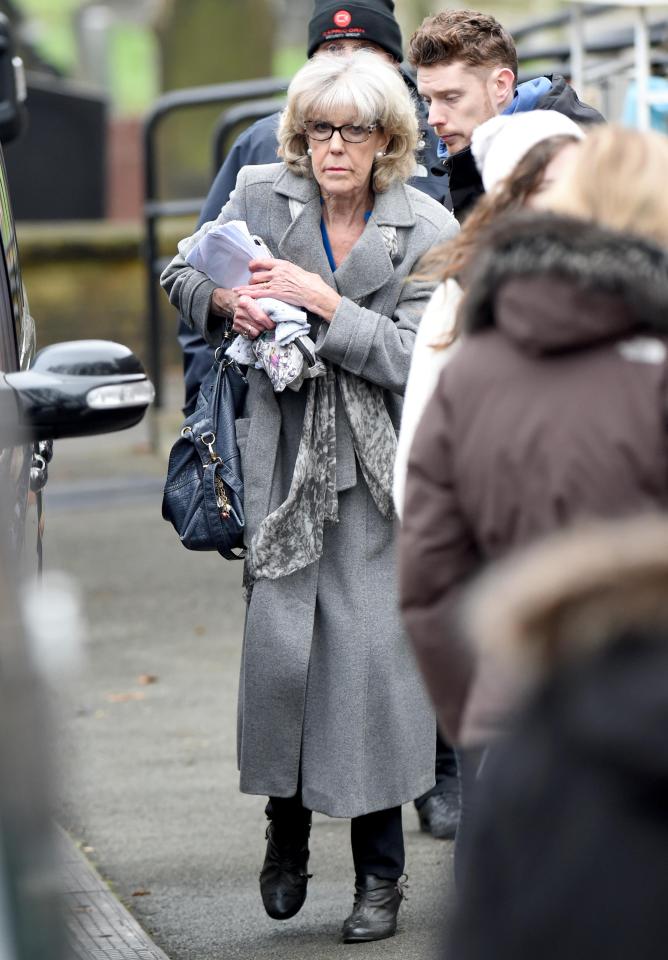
[287,282]
[249,320]
[223,302]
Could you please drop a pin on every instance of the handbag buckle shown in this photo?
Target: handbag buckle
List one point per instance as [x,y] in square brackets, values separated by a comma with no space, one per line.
[208,439]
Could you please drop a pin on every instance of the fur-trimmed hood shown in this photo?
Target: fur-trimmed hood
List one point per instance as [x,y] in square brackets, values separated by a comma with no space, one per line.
[554,284]
[557,605]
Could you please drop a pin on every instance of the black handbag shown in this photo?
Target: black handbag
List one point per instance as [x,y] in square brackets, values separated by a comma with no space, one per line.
[204,492]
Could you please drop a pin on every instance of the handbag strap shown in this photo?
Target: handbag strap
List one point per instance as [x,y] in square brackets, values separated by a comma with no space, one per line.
[210,460]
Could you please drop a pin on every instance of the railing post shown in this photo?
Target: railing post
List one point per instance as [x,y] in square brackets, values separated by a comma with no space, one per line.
[642,68]
[577,47]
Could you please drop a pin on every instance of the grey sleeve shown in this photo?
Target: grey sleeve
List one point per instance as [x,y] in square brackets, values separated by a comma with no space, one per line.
[377,347]
[189,290]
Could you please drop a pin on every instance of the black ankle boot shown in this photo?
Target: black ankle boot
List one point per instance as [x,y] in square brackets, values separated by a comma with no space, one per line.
[439,814]
[375,909]
[283,878]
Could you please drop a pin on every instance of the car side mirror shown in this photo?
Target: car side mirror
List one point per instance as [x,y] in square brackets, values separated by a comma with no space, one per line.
[82,387]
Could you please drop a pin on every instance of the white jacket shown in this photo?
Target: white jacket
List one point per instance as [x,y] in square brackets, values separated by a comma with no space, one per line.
[426,364]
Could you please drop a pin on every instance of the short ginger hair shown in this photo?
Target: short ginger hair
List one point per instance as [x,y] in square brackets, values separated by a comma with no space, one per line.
[476,39]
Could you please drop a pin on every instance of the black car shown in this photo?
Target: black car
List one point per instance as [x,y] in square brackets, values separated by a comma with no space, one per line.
[66,390]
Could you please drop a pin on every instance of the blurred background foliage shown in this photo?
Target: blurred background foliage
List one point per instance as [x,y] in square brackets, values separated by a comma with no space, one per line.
[152,45]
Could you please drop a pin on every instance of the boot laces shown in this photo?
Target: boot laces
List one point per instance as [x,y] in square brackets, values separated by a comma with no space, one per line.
[401,886]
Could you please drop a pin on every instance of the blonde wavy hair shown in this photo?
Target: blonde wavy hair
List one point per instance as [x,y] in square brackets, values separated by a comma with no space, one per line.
[367,90]
[453,259]
[617,179]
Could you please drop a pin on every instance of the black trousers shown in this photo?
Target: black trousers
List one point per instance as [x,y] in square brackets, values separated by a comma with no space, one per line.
[446,770]
[472,767]
[377,839]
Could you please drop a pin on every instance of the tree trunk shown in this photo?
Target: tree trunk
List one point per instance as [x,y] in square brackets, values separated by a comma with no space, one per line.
[204,42]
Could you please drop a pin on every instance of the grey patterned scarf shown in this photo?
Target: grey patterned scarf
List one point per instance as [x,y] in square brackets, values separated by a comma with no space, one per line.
[291,537]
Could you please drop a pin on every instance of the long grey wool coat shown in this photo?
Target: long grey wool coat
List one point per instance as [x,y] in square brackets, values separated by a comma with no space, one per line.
[330,701]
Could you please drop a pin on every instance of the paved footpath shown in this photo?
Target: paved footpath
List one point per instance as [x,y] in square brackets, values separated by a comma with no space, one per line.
[147,755]
[98,925]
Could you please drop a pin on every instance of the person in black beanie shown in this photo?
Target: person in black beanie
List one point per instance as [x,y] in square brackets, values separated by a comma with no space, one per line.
[335,27]
[373,20]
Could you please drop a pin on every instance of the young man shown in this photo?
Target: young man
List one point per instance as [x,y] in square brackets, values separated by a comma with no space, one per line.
[467,72]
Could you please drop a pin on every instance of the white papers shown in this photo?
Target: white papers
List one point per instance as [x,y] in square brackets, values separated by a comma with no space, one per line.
[223,254]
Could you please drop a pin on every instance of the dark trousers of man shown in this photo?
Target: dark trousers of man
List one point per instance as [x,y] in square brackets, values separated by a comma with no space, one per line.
[446,770]
[472,769]
[377,839]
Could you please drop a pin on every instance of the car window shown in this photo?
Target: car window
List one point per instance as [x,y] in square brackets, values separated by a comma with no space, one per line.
[9,357]
[17,335]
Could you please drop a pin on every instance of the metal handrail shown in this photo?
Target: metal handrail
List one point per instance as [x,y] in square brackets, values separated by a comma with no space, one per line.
[243,113]
[556,20]
[611,42]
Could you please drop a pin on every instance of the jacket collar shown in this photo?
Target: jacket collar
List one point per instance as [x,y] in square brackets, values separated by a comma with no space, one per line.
[464,180]
[371,267]
[609,282]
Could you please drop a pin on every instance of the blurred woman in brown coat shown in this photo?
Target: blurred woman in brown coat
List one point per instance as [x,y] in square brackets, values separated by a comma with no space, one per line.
[554,408]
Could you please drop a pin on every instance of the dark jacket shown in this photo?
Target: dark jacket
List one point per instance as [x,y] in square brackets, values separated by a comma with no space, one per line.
[568,850]
[257,145]
[552,411]
[571,818]
[465,181]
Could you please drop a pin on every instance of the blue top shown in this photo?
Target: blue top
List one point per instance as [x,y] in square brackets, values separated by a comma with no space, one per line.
[325,239]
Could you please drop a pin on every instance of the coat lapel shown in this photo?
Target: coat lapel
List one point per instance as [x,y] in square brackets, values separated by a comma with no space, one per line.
[301,243]
[369,266]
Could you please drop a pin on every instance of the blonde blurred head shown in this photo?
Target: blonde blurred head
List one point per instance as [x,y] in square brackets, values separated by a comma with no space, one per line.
[617,178]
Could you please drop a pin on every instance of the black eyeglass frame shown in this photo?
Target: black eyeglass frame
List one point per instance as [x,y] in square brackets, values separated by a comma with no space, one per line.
[370,128]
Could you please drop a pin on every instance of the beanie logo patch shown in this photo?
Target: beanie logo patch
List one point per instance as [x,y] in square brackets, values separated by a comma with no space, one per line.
[342,18]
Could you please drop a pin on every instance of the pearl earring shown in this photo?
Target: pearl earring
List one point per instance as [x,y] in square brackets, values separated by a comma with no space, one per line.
[380,154]
[309,152]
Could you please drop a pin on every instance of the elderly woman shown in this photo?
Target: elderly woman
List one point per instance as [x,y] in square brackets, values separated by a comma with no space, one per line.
[332,714]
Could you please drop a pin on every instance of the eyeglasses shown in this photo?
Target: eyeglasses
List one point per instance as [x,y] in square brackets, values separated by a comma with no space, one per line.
[351,132]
